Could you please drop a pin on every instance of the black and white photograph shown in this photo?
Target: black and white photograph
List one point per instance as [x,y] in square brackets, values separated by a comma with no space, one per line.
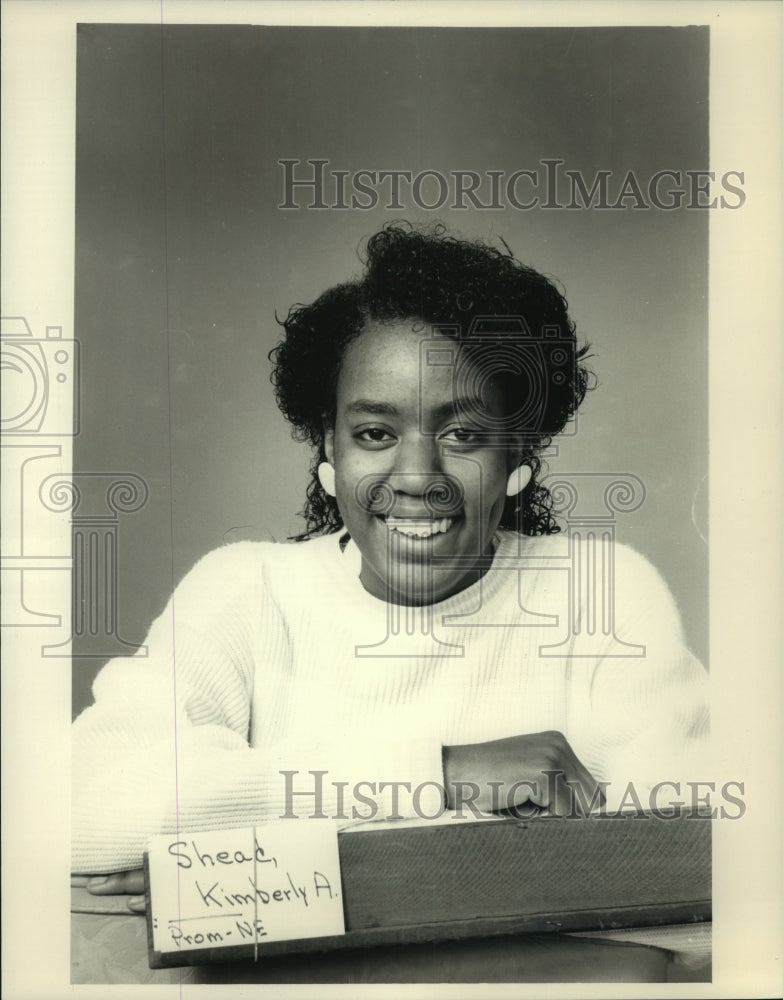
[390,505]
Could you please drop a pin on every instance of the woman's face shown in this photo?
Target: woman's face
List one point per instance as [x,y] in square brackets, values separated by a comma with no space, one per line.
[420,475]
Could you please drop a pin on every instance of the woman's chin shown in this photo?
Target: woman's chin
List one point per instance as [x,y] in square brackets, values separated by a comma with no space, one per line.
[410,569]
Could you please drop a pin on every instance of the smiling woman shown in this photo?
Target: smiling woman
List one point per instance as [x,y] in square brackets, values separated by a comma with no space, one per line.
[431,386]
[416,480]
[516,377]
[433,636]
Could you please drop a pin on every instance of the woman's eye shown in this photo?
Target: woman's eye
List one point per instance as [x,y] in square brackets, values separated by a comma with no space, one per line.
[461,435]
[374,435]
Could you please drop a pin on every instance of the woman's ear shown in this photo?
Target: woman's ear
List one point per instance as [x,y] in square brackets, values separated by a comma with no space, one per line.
[329,444]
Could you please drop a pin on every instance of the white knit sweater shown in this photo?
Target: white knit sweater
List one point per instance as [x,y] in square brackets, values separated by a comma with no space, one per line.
[273,657]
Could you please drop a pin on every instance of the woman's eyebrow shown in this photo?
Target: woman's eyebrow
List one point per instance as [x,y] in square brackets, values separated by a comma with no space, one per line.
[371,406]
[462,405]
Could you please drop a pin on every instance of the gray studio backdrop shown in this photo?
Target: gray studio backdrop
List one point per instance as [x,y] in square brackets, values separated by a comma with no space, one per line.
[183,257]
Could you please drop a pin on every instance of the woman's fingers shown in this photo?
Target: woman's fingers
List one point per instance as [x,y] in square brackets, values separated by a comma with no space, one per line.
[131,882]
[553,792]
[537,768]
[563,785]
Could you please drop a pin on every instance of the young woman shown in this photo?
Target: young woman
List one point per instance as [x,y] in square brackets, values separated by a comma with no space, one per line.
[431,633]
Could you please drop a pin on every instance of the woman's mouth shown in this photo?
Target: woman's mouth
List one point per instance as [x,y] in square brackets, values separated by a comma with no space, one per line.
[418,527]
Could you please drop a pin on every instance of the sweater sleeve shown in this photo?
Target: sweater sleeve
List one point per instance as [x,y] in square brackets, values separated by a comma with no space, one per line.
[158,720]
[648,718]
[165,747]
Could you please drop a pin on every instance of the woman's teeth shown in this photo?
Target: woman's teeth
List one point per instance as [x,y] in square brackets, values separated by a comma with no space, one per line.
[418,529]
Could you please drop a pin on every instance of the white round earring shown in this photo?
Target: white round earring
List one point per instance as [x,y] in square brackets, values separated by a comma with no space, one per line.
[518,480]
[326,478]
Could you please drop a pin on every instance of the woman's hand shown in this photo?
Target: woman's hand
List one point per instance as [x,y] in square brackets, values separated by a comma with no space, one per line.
[129,883]
[537,768]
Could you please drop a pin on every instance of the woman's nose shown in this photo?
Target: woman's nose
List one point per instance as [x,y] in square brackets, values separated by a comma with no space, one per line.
[417,463]
[419,485]
[414,484]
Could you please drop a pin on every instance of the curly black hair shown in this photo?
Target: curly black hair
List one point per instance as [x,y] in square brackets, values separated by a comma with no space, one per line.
[459,287]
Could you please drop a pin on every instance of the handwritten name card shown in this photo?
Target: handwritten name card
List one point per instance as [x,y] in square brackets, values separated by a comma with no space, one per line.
[272,882]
